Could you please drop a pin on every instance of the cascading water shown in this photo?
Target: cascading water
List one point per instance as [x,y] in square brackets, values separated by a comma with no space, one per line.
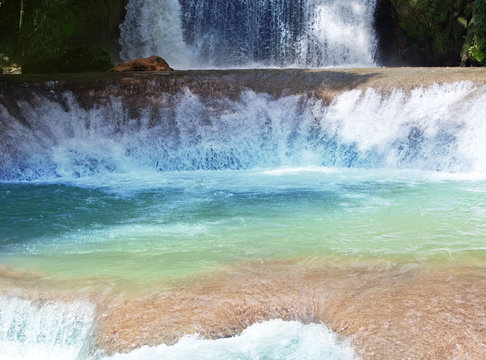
[45,331]
[427,129]
[270,340]
[54,330]
[251,33]
[156,194]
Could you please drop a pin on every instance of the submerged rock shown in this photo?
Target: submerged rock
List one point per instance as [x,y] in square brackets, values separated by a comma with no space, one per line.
[152,63]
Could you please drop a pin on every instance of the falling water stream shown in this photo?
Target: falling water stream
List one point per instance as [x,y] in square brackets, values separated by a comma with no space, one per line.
[251,33]
[243,214]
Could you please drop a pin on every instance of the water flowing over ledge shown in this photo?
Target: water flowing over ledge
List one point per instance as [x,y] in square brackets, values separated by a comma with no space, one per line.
[48,330]
[275,339]
[251,33]
[205,202]
[52,329]
[242,120]
[231,310]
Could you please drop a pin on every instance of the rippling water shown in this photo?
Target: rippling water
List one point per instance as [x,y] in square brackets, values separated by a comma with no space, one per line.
[202,214]
[185,222]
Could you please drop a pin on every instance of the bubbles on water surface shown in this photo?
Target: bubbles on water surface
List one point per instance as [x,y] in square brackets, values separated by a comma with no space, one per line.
[432,129]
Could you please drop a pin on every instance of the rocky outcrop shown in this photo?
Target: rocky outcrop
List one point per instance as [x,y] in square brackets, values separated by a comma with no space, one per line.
[152,63]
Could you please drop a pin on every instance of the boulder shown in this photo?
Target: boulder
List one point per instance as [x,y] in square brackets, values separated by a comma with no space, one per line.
[153,63]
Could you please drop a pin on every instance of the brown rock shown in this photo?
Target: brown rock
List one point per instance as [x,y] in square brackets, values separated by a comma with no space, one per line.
[153,63]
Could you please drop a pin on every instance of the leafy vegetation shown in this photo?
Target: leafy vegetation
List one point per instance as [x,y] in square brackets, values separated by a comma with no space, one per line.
[50,29]
[88,58]
[477,47]
[442,32]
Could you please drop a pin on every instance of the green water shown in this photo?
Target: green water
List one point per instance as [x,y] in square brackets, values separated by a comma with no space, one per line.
[176,224]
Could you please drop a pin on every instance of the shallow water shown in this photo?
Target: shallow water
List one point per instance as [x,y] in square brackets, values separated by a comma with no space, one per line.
[188,222]
[115,246]
[198,214]
[270,340]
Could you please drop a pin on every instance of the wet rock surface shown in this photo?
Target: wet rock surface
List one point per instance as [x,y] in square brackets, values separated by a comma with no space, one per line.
[152,63]
[388,310]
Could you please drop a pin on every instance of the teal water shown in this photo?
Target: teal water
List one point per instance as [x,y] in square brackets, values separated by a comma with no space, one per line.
[177,224]
[108,198]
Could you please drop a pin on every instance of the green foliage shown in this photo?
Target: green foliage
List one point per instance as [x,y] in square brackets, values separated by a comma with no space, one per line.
[477,49]
[476,53]
[48,29]
[431,32]
[434,29]
[50,25]
[89,58]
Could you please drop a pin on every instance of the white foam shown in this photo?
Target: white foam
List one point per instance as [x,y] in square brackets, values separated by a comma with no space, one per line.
[250,33]
[435,129]
[153,27]
[274,339]
[432,128]
[47,330]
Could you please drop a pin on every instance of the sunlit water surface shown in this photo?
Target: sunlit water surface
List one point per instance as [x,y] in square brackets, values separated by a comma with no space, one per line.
[181,223]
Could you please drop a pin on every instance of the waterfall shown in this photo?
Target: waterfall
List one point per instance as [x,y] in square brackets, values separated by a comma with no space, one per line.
[47,330]
[437,128]
[251,33]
